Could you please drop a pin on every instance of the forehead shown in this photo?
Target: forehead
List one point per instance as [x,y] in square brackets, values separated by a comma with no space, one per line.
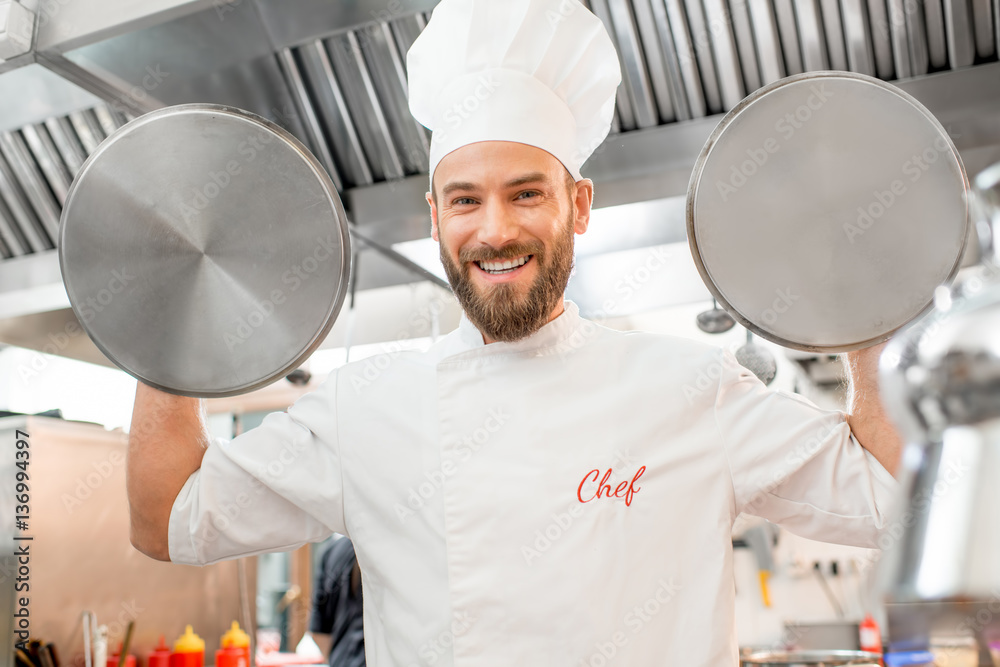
[494,163]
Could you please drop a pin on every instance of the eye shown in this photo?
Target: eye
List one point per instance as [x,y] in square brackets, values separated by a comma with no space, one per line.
[527,194]
[462,201]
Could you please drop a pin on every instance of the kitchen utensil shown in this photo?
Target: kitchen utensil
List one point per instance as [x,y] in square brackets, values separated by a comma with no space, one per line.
[825,209]
[828,591]
[810,659]
[204,250]
[716,320]
[757,360]
[940,382]
[127,644]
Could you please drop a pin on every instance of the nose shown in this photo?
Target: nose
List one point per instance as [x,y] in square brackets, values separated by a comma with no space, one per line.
[499,225]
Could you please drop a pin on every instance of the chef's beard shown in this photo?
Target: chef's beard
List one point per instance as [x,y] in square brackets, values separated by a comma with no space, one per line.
[500,311]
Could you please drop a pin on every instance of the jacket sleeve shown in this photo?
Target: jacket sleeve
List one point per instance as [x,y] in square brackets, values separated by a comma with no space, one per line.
[272,488]
[798,465]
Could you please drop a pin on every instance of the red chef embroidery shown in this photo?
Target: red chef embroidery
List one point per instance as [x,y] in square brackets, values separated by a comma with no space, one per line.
[587,492]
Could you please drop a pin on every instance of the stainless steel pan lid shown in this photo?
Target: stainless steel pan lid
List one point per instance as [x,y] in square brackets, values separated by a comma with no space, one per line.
[825,209]
[204,250]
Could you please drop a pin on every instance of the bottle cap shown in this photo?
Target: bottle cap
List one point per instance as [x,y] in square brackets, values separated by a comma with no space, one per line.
[235,637]
[189,642]
[162,646]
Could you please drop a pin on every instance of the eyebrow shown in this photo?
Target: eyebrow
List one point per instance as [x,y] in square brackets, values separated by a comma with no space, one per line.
[533,177]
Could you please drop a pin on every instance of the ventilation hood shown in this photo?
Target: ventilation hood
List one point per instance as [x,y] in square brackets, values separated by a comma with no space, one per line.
[334,74]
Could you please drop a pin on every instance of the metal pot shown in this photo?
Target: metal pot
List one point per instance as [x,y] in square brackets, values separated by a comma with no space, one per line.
[810,659]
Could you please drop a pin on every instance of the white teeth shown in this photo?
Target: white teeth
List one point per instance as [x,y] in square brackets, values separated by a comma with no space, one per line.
[505,266]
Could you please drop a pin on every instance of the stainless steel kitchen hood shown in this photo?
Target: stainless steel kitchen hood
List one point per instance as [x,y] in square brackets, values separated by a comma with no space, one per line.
[333,73]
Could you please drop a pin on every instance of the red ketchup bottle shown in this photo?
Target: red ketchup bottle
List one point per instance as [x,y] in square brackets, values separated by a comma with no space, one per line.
[113,660]
[871,637]
[235,648]
[189,650]
[159,656]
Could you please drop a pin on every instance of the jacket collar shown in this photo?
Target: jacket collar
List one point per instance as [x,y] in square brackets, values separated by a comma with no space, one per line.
[468,339]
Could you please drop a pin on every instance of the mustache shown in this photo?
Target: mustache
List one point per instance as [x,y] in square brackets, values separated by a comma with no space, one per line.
[510,251]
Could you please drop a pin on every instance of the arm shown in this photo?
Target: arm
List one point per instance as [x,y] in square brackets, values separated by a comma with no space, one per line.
[867,419]
[166,443]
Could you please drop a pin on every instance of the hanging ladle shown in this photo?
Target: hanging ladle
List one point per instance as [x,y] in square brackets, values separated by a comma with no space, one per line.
[757,360]
[716,320]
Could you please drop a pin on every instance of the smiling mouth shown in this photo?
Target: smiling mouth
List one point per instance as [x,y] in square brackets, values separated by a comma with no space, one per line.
[499,268]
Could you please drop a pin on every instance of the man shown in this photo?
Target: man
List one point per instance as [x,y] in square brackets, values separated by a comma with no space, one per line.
[336,620]
[535,489]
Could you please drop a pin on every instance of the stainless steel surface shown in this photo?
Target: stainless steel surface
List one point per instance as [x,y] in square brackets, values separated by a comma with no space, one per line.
[810,27]
[15,151]
[784,12]
[67,143]
[810,658]
[87,129]
[687,57]
[724,47]
[671,59]
[917,42]
[355,80]
[937,44]
[332,109]
[701,37]
[204,250]
[765,28]
[321,149]
[45,153]
[958,28]
[899,37]
[888,39]
[651,51]
[50,95]
[856,248]
[19,211]
[834,34]
[310,20]
[982,22]
[101,87]
[388,71]
[856,33]
[739,12]
[625,114]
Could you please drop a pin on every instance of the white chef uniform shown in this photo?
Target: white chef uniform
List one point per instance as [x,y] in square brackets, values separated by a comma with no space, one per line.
[566,499]
[474,481]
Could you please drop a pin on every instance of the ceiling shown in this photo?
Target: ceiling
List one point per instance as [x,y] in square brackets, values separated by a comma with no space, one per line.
[334,74]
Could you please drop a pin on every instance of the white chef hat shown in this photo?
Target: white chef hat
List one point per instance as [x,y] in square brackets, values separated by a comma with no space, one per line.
[537,72]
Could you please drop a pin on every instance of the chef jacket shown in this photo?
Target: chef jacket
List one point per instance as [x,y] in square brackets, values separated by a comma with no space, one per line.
[566,499]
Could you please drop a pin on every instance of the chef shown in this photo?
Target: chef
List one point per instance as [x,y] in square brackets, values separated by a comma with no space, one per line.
[535,489]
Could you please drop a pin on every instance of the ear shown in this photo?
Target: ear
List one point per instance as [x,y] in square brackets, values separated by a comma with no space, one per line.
[434,217]
[584,200]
